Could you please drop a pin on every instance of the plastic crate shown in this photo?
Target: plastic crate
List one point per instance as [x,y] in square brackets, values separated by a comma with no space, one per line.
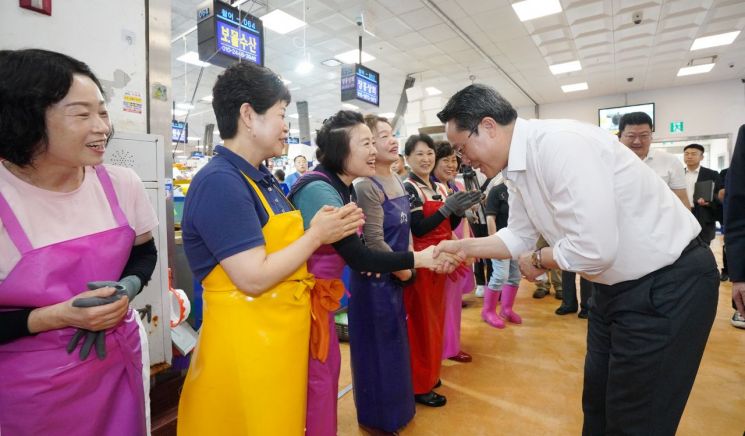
[342,324]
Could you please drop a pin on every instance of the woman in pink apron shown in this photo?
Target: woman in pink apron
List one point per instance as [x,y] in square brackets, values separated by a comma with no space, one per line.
[461,281]
[67,222]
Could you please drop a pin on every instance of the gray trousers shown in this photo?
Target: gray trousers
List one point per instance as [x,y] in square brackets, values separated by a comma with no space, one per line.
[645,340]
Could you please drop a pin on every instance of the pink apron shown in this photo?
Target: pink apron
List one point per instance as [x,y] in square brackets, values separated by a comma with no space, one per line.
[44,390]
[459,282]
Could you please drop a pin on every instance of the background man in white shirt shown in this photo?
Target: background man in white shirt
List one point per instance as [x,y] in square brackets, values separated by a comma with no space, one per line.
[608,217]
[635,132]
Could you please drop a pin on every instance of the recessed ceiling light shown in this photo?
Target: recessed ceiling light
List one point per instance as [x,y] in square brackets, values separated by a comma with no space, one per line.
[352,57]
[531,9]
[331,63]
[192,57]
[431,90]
[207,98]
[185,106]
[179,112]
[349,106]
[388,115]
[281,22]
[566,67]
[714,40]
[696,69]
[574,87]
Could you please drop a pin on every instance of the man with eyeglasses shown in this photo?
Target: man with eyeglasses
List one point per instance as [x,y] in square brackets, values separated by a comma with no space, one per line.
[611,219]
[635,132]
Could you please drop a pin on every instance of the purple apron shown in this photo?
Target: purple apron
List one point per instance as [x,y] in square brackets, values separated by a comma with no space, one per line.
[378,339]
[44,390]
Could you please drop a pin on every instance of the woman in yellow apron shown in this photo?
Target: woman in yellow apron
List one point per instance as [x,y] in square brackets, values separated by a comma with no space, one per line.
[246,244]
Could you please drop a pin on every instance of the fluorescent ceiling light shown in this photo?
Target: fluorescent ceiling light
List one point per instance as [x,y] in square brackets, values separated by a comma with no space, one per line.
[696,69]
[294,88]
[192,57]
[286,82]
[352,57]
[714,40]
[293,116]
[207,98]
[566,67]
[531,9]
[178,151]
[349,106]
[185,106]
[294,131]
[281,22]
[193,138]
[431,90]
[304,66]
[388,115]
[331,63]
[179,112]
[574,87]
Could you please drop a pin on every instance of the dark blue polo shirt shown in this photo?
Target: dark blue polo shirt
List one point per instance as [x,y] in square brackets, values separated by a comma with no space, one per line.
[223,215]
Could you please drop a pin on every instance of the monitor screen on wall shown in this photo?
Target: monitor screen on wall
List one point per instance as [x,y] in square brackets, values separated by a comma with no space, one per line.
[608,118]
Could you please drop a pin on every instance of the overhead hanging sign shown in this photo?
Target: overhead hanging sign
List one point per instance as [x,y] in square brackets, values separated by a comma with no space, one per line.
[360,83]
[226,34]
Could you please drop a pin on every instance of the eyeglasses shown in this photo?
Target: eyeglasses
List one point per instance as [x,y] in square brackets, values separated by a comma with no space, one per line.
[632,137]
[459,149]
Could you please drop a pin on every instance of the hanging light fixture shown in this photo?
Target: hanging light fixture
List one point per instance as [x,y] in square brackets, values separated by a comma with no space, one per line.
[305,66]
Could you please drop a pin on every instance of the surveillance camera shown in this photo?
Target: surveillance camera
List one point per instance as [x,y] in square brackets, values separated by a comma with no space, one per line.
[637,17]
[732,65]
[629,79]
[359,20]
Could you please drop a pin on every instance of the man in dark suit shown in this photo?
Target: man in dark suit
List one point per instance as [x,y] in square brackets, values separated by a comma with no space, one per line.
[706,212]
[734,222]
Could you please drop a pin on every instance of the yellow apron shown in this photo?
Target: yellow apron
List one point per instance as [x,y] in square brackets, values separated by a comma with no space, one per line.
[249,371]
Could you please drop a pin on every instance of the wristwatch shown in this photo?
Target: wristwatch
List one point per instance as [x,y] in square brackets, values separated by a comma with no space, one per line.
[536,260]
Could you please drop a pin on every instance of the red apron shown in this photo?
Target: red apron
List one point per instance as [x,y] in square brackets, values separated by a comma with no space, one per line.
[425,309]
[44,390]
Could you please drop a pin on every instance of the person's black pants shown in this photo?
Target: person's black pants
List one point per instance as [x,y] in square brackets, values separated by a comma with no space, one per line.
[569,298]
[482,267]
[644,345]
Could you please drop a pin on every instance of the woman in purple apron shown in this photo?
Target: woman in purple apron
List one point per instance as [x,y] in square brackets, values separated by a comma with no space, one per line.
[378,339]
[345,152]
[52,142]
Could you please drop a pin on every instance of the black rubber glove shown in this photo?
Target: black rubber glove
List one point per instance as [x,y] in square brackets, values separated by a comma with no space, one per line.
[459,202]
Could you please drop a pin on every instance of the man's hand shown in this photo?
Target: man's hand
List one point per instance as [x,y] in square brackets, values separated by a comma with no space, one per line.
[738,296]
[702,202]
[527,269]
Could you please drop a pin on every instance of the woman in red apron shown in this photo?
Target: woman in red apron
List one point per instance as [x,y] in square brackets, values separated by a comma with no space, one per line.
[433,216]
[67,221]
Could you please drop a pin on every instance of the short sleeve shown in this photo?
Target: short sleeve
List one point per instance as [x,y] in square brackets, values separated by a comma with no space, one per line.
[137,207]
[220,213]
[312,197]
[677,174]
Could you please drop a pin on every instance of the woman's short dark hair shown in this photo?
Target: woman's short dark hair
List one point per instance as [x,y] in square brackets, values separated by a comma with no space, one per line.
[280,175]
[414,139]
[333,139]
[31,81]
[245,82]
[443,149]
[474,102]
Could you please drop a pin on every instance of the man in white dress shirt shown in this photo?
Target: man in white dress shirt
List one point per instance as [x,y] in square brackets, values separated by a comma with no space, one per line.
[611,219]
[635,132]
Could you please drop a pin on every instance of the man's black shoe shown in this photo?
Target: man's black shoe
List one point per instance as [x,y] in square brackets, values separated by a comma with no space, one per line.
[583,314]
[723,277]
[431,399]
[565,310]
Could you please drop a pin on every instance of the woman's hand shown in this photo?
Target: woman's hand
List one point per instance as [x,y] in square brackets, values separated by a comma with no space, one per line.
[98,317]
[331,224]
[403,275]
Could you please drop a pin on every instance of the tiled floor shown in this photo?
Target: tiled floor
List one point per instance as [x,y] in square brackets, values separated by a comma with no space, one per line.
[527,379]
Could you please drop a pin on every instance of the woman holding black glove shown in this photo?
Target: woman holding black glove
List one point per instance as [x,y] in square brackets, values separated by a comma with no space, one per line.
[433,216]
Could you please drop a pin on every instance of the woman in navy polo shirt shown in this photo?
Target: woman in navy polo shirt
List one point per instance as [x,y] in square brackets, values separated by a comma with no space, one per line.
[246,244]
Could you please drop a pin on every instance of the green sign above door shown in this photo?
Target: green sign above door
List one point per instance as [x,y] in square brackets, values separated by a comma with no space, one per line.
[676,127]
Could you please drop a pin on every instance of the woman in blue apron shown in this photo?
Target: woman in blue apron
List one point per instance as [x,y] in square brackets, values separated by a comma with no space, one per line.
[379,343]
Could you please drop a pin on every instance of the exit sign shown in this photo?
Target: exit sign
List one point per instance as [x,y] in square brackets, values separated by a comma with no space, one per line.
[676,127]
